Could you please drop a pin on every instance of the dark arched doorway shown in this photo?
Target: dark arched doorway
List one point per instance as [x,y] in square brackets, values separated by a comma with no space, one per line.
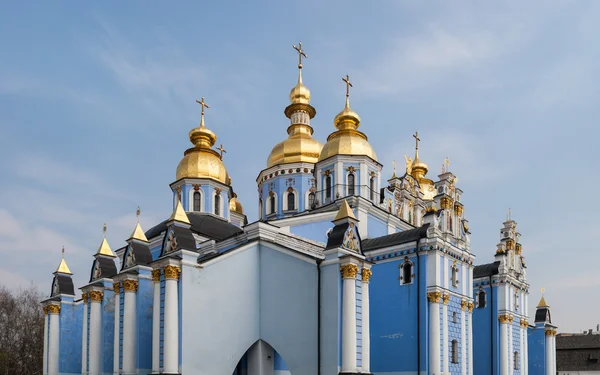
[261,359]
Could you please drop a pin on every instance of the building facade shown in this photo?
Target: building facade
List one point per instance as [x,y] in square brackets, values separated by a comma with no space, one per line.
[346,271]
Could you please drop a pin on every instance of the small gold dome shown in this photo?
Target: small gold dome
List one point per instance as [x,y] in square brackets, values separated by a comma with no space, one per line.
[300,146]
[300,93]
[419,167]
[235,205]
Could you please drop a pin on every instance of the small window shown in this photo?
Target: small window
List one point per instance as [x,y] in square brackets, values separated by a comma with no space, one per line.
[328,187]
[454,351]
[516,360]
[291,201]
[481,300]
[372,187]
[272,204]
[406,276]
[454,276]
[197,201]
[311,200]
[217,204]
[351,184]
[454,317]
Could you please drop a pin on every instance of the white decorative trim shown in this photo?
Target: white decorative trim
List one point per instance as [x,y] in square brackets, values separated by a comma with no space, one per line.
[269,210]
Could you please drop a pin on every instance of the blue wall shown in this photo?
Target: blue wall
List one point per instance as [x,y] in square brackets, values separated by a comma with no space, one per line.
[301,182]
[108,330]
[331,310]
[71,320]
[144,323]
[316,231]
[537,350]
[485,323]
[376,227]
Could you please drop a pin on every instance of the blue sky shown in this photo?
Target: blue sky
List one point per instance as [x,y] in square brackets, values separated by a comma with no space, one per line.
[96,101]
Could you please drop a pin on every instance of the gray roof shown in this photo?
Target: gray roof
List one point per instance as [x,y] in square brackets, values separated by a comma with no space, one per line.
[398,238]
[204,224]
[578,352]
[484,270]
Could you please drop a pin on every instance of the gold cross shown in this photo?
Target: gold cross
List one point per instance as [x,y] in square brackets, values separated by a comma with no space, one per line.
[104,230]
[348,85]
[300,54]
[204,105]
[446,164]
[137,213]
[417,139]
[394,163]
[63,252]
[220,148]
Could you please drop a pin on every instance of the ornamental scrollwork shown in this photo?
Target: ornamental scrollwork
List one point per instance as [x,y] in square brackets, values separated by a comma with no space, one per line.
[463,305]
[349,271]
[445,298]
[156,275]
[366,274]
[130,285]
[470,306]
[434,297]
[171,272]
[117,287]
[45,308]
[53,309]
[96,296]
[84,297]
[503,319]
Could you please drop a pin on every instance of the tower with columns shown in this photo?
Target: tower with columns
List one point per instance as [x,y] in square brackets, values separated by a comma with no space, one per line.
[343,272]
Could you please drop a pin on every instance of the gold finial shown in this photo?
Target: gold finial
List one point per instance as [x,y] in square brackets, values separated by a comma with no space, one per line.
[137,213]
[62,267]
[204,105]
[104,248]
[417,139]
[446,165]
[63,253]
[394,164]
[543,290]
[222,150]
[104,230]
[301,54]
[138,233]
[348,85]
[543,302]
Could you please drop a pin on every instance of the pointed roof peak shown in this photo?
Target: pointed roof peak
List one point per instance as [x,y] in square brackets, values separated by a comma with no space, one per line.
[138,234]
[345,212]
[179,214]
[63,267]
[542,303]
[105,249]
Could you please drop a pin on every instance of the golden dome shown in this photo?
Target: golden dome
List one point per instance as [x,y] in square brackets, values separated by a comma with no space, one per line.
[235,205]
[347,140]
[300,146]
[201,161]
[300,93]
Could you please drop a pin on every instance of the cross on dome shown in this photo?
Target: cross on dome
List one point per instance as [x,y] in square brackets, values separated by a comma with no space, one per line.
[204,105]
[417,139]
[222,150]
[301,54]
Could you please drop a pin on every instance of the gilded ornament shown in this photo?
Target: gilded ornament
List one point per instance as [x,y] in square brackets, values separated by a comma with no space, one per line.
[463,305]
[524,323]
[458,209]
[156,275]
[53,309]
[172,272]
[446,298]
[434,297]
[511,319]
[548,333]
[117,287]
[446,203]
[366,274]
[84,297]
[96,296]
[349,271]
[471,305]
[518,248]
[503,318]
[45,308]
[510,244]
[130,285]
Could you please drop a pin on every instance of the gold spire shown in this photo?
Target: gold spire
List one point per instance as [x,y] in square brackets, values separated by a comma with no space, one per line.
[300,94]
[104,248]
[542,301]
[62,267]
[138,233]
[347,119]
[345,212]
[419,168]
[179,214]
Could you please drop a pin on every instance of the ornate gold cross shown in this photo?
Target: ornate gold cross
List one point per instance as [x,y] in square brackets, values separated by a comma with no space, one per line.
[348,85]
[417,139]
[300,54]
[222,150]
[204,105]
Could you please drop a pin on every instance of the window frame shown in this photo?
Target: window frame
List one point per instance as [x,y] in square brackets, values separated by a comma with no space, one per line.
[196,193]
[350,188]
[454,349]
[407,263]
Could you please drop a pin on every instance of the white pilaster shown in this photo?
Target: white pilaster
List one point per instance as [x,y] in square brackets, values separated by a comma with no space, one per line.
[525,368]
[129,327]
[511,356]
[553,352]
[434,332]
[53,339]
[84,334]
[117,290]
[95,351]
[522,333]
[366,327]
[470,337]
[171,321]
[156,323]
[45,356]
[549,356]
[349,272]
[463,339]
[446,337]
[503,344]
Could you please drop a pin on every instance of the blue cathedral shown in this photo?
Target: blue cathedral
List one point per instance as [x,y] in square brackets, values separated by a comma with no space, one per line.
[348,270]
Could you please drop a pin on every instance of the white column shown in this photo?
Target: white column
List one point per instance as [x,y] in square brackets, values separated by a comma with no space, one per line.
[95,357]
[117,290]
[53,339]
[45,356]
[349,272]
[511,356]
[470,337]
[446,338]
[434,332]
[129,326]
[548,352]
[84,296]
[553,352]
[503,344]
[156,323]
[366,328]
[171,321]
[522,333]
[525,367]
[463,339]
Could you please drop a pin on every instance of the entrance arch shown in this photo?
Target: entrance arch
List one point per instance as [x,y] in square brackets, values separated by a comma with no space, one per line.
[261,359]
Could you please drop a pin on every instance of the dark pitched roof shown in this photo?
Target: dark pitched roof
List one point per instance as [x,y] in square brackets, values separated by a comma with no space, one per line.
[336,237]
[578,352]
[484,270]
[107,268]
[65,284]
[142,253]
[204,224]
[185,239]
[398,238]
[540,315]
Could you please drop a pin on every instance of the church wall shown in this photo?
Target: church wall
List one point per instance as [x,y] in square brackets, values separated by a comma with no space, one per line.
[71,327]
[316,231]
[537,350]
[485,321]
[144,302]
[279,365]
[331,323]
[376,227]
[300,182]
[108,322]
[156,251]
[516,346]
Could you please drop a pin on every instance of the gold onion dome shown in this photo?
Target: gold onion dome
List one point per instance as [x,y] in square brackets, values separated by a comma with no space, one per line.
[235,205]
[347,140]
[201,161]
[300,146]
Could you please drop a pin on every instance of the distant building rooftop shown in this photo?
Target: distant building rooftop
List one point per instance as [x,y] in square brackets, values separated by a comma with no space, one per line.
[578,352]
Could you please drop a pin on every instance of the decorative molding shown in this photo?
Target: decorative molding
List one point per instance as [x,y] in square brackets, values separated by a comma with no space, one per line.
[45,310]
[84,297]
[470,306]
[510,244]
[446,203]
[96,296]
[366,274]
[434,297]
[445,298]
[53,309]
[349,271]
[463,305]
[130,285]
[172,272]
[156,275]
[458,209]
[518,249]
[511,319]
[503,318]
[524,323]
[117,287]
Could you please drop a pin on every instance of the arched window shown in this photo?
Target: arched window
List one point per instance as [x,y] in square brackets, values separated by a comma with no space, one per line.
[481,300]
[272,204]
[454,278]
[372,188]
[291,201]
[407,271]
[454,351]
[217,204]
[197,201]
[516,360]
[328,187]
[351,184]
[311,200]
